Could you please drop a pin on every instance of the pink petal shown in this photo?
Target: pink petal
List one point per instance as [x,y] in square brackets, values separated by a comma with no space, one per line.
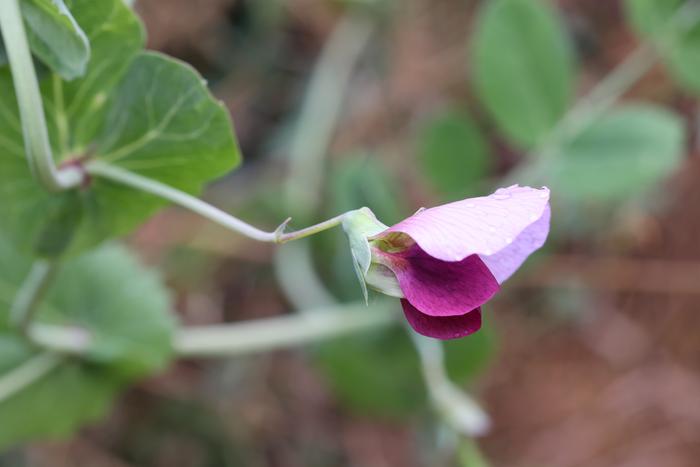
[503,228]
[445,327]
[440,288]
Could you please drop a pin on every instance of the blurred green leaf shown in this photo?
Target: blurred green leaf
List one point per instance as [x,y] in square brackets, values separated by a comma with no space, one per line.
[467,357]
[125,310]
[55,37]
[363,180]
[674,27]
[619,155]
[160,121]
[124,307]
[56,405]
[651,16]
[376,374]
[522,67]
[469,454]
[453,154]
[379,374]
[3,53]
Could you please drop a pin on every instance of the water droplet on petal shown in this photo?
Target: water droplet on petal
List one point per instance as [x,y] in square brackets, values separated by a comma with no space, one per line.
[509,240]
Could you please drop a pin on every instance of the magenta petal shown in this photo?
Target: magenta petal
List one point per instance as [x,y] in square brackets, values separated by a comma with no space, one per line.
[441,288]
[443,327]
[484,226]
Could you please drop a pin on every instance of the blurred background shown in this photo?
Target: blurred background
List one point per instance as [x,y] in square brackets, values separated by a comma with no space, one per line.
[589,356]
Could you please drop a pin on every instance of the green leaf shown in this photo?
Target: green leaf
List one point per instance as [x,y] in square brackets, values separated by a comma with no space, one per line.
[522,67]
[3,53]
[55,37]
[453,154]
[380,374]
[125,310]
[651,16]
[56,405]
[675,33]
[141,111]
[363,180]
[466,358]
[376,374]
[619,155]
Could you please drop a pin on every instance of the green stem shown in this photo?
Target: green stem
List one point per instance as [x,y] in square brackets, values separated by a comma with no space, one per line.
[64,340]
[35,132]
[27,374]
[600,98]
[321,109]
[457,408]
[275,333]
[31,293]
[227,340]
[202,208]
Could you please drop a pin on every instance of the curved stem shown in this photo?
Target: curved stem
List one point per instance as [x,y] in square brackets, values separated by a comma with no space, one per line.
[455,406]
[275,333]
[321,109]
[27,374]
[31,293]
[36,135]
[234,339]
[202,208]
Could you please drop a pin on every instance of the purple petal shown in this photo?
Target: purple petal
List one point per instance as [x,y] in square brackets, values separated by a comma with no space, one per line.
[505,262]
[440,288]
[503,228]
[445,327]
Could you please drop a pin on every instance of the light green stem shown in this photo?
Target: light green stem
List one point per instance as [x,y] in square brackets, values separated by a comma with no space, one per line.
[31,293]
[27,374]
[202,208]
[321,109]
[286,331]
[36,135]
[599,99]
[64,340]
[457,408]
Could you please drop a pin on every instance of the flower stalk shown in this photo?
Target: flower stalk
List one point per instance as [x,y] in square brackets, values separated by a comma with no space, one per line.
[204,209]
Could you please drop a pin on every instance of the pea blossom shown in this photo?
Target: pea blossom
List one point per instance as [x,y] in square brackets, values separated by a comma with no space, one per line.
[447,261]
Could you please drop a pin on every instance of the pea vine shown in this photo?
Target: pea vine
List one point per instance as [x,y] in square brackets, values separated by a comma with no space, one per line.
[97,134]
[94,144]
